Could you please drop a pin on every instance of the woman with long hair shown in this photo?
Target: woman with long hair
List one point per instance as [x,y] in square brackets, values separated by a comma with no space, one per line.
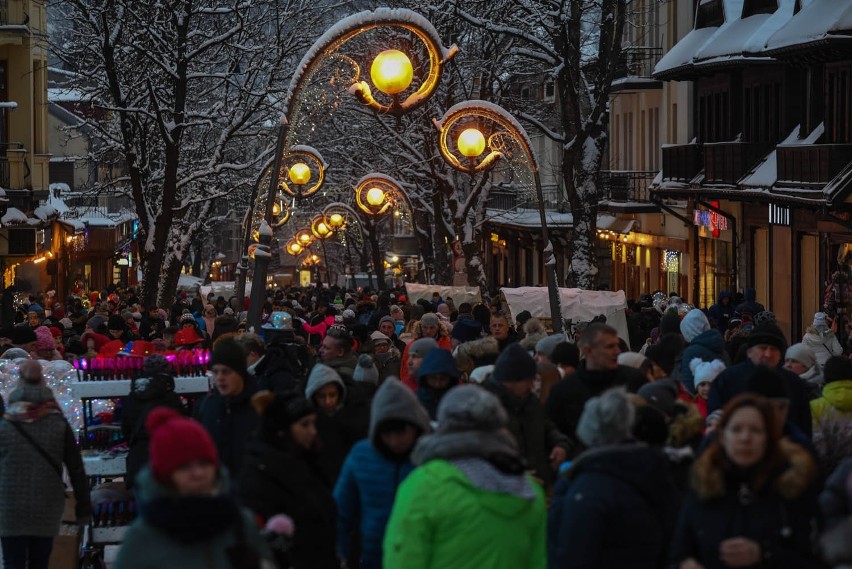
[749,503]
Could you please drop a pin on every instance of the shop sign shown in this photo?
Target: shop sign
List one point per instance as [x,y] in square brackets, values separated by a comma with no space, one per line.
[711,220]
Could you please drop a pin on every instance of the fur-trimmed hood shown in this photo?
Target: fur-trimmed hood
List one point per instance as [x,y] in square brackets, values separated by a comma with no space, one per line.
[686,425]
[471,355]
[709,480]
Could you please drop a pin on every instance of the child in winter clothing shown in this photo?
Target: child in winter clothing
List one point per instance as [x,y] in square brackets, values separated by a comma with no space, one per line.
[704,374]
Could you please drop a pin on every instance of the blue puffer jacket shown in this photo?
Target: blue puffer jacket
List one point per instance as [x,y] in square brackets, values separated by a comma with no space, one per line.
[370,477]
[707,346]
[613,509]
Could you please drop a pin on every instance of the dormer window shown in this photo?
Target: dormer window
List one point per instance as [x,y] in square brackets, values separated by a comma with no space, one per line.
[710,14]
[525,92]
[549,90]
[752,7]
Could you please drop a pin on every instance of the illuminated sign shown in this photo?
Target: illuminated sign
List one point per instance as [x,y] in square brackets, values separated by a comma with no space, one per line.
[710,219]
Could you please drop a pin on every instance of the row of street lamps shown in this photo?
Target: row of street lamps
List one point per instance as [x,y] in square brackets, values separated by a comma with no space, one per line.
[392,74]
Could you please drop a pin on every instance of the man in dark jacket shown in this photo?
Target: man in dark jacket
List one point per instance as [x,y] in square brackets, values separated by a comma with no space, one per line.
[749,304]
[598,372]
[721,312]
[766,346]
[271,366]
[226,412]
[539,441]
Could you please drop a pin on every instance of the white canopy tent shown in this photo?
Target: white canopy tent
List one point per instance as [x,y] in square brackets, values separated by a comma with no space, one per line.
[580,306]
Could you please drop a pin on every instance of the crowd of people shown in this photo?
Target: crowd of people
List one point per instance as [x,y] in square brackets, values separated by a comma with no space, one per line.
[359,429]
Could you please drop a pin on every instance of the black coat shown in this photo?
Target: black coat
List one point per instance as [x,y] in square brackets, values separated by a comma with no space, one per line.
[724,506]
[568,397]
[734,381]
[612,509]
[274,481]
[279,371]
[146,394]
[231,422]
[338,433]
[535,433]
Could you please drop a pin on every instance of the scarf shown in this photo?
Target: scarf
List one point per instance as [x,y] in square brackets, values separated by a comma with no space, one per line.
[193,519]
[496,447]
[31,411]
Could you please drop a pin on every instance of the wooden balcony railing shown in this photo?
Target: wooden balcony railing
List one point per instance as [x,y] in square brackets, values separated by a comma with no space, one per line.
[637,61]
[626,185]
[815,164]
[727,162]
[681,162]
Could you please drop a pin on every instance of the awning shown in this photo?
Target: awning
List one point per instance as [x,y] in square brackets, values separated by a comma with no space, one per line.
[615,224]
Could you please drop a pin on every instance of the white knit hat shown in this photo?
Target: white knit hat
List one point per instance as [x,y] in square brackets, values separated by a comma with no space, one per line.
[705,372]
[693,324]
[820,320]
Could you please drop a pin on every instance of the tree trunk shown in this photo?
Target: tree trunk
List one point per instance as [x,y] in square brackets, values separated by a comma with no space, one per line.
[444,265]
[168,283]
[376,254]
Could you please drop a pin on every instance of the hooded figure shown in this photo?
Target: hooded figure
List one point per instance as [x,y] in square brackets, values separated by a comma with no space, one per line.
[341,421]
[374,470]
[436,376]
[721,312]
[612,508]
[469,504]
[704,342]
[749,305]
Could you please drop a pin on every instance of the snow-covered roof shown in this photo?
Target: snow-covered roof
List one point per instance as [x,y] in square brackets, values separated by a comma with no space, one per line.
[64,95]
[817,21]
[13,216]
[738,40]
[745,38]
[523,218]
[98,219]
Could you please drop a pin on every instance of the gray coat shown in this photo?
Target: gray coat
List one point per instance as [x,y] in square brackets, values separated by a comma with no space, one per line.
[31,491]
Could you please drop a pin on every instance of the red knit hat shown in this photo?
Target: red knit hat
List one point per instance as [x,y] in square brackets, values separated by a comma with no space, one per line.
[175,441]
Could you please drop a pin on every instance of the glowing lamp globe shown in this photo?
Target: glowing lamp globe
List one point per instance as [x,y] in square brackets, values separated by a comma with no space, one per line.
[471,143]
[276,209]
[294,248]
[323,230]
[303,237]
[299,173]
[335,220]
[375,197]
[391,72]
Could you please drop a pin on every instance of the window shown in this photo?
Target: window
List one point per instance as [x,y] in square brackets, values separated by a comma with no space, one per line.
[714,112]
[838,109]
[549,90]
[752,7]
[762,106]
[525,92]
[710,14]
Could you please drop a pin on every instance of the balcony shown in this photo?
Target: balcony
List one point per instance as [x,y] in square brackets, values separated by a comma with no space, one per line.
[13,15]
[727,162]
[811,165]
[626,185]
[682,162]
[634,69]
[505,198]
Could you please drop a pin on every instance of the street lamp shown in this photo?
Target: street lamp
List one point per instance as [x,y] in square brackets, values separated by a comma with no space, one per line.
[464,121]
[294,248]
[322,231]
[375,195]
[392,75]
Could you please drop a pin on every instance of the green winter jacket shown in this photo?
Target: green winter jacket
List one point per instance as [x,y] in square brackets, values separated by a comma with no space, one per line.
[832,424]
[440,520]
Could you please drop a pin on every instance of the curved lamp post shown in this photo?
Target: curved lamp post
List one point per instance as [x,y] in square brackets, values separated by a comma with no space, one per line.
[376,195]
[461,133]
[391,73]
[321,230]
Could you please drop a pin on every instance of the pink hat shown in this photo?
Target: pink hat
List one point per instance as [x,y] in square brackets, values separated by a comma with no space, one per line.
[44,339]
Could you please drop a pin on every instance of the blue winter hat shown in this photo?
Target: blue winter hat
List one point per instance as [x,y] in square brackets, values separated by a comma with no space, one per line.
[466,330]
[438,361]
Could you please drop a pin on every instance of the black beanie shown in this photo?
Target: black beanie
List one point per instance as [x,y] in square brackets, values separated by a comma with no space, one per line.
[767,333]
[837,368]
[665,352]
[22,335]
[228,353]
[768,382]
[116,322]
[514,364]
[281,413]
